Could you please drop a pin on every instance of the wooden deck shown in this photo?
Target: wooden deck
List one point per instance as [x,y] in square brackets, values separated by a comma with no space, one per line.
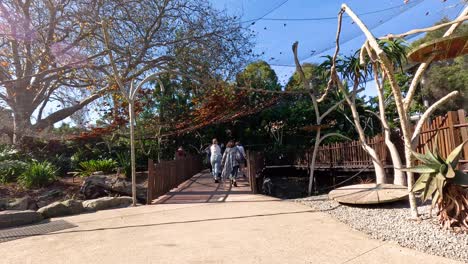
[201,188]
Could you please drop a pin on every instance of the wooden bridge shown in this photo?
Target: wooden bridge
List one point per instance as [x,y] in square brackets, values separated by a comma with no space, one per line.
[446,132]
[184,181]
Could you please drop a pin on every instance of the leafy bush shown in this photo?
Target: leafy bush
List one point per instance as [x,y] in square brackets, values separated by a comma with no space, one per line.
[125,164]
[62,162]
[10,170]
[90,166]
[38,174]
[10,166]
[8,153]
[77,158]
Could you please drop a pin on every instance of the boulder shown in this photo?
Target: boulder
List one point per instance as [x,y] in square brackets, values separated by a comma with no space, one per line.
[54,193]
[23,203]
[64,208]
[107,203]
[104,185]
[11,218]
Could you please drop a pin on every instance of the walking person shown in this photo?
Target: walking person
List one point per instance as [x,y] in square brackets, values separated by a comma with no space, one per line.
[215,160]
[230,162]
[243,162]
[180,153]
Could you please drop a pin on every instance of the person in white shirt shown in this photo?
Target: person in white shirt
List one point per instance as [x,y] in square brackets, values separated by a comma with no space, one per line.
[215,160]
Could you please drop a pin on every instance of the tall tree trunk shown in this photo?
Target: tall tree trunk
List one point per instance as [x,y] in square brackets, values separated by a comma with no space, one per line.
[404,119]
[312,163]
[380,176]
[399,178]
[21,126]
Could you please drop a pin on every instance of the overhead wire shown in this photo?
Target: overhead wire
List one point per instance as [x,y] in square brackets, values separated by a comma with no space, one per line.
[252,21]
[332,17]
[348,40]
[356,36]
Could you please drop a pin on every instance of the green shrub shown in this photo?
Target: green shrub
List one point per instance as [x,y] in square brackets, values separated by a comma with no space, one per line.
[62,162]
[125,164]
[90,166]
[10,165]
[10,170]
[8,153]
[78,157]
[38,174]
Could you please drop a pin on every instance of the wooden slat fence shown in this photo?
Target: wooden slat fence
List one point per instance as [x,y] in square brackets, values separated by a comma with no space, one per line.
[451,130]
[350,154]
[166,175]
[447,132]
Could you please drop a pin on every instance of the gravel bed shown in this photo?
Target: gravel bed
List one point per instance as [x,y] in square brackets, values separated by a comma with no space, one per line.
[392,222]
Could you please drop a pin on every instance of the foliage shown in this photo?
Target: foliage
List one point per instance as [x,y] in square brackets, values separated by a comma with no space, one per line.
[69,68]
[90,166]
[395,50]
[444,77]
[10,170]
[38,174]
[441,182]
[10,166]
[313,73]
[123,159]
[258,75]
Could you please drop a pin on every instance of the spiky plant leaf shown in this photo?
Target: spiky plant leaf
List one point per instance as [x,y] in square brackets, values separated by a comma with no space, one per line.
[427,161]
[421,182]
[421,169]
[431,187]
[435,198]
[454,156]
[429,155]
[440,182]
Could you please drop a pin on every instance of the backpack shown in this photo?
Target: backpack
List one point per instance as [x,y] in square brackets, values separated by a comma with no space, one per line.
[239,157]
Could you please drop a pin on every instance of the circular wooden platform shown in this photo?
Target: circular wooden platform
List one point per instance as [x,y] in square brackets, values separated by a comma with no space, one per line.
[369,193]
[441,49]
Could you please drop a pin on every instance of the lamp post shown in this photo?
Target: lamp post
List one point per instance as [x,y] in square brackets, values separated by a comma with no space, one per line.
[130,97]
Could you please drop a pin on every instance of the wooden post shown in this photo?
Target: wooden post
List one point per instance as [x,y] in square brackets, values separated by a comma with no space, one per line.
[251,164]
[149,193]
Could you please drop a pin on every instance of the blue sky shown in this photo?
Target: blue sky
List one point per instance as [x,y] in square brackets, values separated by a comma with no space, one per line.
[278,23]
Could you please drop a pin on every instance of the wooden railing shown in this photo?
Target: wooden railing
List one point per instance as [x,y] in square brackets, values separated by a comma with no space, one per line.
[166,175]
[350,154]
[255,164]
[451,130]
[447,132]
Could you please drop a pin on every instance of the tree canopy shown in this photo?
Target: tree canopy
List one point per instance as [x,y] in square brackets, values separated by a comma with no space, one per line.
[53,56]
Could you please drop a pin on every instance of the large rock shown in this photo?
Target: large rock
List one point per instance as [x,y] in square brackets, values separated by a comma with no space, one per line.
[23,203]
[107,203]
[11,218]
[104,185]
[64,208]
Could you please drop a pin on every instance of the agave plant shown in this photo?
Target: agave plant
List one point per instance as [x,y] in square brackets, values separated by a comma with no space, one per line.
[445,185]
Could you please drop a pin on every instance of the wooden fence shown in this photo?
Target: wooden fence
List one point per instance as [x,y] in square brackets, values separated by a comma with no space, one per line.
[255,164]
[166,175]
[350,154]
[451,130]
[447,132]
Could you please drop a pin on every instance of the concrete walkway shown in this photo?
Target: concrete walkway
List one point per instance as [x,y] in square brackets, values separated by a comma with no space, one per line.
[223,226]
